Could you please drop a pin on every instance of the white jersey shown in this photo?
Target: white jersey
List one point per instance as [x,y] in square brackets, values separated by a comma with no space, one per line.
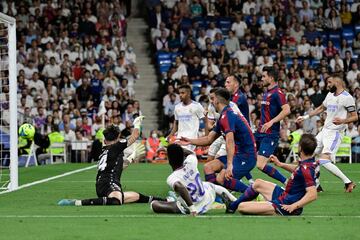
[188,117]
[338,106]
[189,176]
[213,115]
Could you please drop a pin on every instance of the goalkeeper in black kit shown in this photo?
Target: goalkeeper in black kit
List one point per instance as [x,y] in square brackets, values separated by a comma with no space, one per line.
[110,166]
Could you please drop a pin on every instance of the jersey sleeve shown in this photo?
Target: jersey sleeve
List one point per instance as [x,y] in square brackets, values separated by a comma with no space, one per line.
[191,160]
[350,104]
[200,111]
[281,99]
[326,100]
[309,176]
[121,145]
[176,113]
[171,180]
[228,123]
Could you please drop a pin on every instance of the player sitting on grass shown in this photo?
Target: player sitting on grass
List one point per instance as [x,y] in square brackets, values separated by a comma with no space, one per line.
[110,166]
[195,196]
[300,189]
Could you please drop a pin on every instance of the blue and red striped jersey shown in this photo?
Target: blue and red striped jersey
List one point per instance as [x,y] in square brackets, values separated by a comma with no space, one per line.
[241,101]
[271,106]
[244,139]
[303,177]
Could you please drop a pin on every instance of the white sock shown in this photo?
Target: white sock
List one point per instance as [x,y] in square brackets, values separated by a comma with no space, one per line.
[335,170]
[78,203]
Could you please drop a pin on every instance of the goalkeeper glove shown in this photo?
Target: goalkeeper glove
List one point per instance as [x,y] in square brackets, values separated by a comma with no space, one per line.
[138,121]
[139,150]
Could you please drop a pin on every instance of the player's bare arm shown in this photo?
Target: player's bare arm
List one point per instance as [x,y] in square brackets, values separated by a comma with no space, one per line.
[184,194]
[352,118]
[203,141]
[174,129]
[230,149]
[315,112]
[310,196]
[284,112]
[287,167]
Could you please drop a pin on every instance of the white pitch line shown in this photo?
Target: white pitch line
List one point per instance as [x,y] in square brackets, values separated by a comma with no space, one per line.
[168,216]
[49,179]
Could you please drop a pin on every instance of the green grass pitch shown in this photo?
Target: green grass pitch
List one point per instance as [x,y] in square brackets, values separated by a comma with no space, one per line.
[32,213]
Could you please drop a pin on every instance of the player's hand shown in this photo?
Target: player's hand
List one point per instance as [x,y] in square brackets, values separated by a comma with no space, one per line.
[266,126]
[289,208]
[338,121]
[184,141]
[138,121]
[229,171]
[275,160]
[139,150]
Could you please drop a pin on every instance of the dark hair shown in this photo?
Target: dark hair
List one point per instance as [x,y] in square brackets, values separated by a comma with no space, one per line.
[308,144]
[186,87]
[213,90]
[111,133]
[270,72]
[175,155]
[223,95]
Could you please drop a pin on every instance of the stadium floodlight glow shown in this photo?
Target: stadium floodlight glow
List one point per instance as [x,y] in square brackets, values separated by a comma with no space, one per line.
[8,118]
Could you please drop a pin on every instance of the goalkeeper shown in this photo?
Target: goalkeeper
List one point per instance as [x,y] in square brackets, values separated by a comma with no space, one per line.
[110,166]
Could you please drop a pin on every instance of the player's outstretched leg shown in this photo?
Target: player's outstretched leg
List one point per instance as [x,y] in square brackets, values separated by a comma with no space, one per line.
[349,185]
[164,207]
[268,169]
[210,168]
[231,184]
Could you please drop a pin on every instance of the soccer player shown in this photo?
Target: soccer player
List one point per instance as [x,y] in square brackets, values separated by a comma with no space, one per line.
[187,114]
[232,84]
[217,151]
[338,104]
[110,166]
[240,143]
[299,191]
[274,108]
[195,196]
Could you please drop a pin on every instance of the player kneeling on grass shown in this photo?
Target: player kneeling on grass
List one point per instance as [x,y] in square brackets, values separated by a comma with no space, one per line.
[110,166]
[299,191]
[195,196]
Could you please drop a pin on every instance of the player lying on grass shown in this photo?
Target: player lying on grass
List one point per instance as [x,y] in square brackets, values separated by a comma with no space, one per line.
[195,196]
[110,166]
[239,141]
[299,191]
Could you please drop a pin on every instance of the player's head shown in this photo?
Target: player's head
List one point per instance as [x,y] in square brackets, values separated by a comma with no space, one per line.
[175,155]
[111,134]
[212,95]
[185,93]
[307,145]
[232,83]
[334,83]
[268,76]
[222,97]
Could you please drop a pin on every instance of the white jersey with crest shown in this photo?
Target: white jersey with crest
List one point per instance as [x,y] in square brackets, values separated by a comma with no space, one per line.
[202,193]
[338,106]
[188,117]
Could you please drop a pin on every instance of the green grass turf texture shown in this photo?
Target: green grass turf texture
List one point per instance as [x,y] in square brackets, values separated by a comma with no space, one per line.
[32,213]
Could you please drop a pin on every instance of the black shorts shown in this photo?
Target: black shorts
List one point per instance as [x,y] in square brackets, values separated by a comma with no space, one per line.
[104,188]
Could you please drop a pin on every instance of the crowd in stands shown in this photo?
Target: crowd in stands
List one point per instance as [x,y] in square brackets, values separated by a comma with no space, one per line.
[71,55]
[202,42]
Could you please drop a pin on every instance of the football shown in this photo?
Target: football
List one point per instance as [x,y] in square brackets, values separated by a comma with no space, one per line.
[27,131]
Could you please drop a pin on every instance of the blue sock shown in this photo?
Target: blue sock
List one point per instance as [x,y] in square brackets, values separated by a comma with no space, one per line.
[274,173]
[248,195]
[235,185]
[210,178]
[248,176]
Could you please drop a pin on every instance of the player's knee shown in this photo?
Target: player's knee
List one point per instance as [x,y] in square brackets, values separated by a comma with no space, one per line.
[220,178]
[155,206]
[257,184]
[208,168]
[242,208]
[260,165]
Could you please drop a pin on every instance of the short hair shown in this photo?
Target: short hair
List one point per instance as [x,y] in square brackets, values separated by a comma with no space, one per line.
[308,144]
[236,78]
[186,87]
[213,90]
[111,133]
[175,155]
[223,95]
[270,72]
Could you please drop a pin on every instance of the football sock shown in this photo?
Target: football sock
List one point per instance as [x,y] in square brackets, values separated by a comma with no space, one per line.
[210,178]
[99,201]
[235,185]
[249,177]
[334,170]
[248,195]
[274,173]
[148,199]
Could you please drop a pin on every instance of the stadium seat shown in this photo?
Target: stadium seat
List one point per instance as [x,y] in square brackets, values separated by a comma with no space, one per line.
[315,63]
[164,61]
[201,22]
[196,83]
[224,24]
[335,37]
[348,34]
[185,24]
[289,62]
[357,29]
